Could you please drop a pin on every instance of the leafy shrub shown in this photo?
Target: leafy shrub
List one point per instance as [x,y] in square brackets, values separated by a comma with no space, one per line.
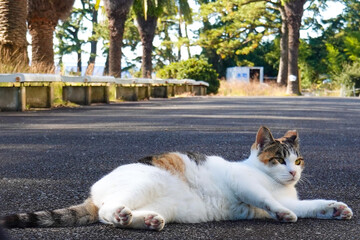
[197,69]
[349,76]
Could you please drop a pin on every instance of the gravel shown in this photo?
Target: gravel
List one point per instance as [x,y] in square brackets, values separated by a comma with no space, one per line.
[50,158]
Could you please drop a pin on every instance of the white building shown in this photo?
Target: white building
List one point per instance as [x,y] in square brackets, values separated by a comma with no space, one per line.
[246,74]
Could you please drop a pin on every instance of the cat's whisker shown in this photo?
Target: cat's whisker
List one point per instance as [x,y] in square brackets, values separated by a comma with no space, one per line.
[304,181]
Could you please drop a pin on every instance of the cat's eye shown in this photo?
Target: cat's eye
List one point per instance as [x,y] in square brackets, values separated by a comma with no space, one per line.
[298,161]
[280,160]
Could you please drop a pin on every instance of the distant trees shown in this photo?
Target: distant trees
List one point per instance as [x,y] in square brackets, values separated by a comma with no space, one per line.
[231,33]
[147,14]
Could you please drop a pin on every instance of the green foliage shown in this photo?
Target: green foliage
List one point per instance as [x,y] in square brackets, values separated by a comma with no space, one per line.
[233,29]
[352,45]
[349,76]
[197,69]
[153,8]
[236,29]
[335,58]
[311,67]
[265,55]
[68,33]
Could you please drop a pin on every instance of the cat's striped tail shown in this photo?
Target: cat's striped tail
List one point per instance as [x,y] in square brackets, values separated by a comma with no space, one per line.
[76,215]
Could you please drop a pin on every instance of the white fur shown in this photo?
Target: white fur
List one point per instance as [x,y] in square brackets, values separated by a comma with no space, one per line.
[145,197]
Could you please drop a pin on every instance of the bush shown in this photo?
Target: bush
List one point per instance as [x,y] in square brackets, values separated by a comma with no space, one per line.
[349,76]
[197,69]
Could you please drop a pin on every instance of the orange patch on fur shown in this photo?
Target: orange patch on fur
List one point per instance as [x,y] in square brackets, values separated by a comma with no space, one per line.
[171,162]
[91,208]
[254,146]
[265,157]
[281,140]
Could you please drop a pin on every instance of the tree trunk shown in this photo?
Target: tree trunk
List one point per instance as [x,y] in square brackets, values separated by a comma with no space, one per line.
[79,67]
[180,34]
[294,11]
[188,45]
[284,47]
[106,67]
[43,17]
[13,44]
[93,45]
[117,12]
[147,32]
[116,27]
[41,32]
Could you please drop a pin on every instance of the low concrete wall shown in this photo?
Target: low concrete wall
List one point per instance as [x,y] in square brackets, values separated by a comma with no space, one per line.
[19,92]
[99,94]
[159,92]
[86,94]
[127,93]
[38,97]
[76,94]
[132,93]
[143,92]
[199,90]
[10,99]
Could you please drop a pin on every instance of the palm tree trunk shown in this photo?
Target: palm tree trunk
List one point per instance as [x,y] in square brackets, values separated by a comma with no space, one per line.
[294,11]
[93,45]
[106,67]
[43,17]
[180,34]
[188,45]
[147,32]
[13,44]
[79,67]
[284,47]
[41,32]
[116,27]
[117,12]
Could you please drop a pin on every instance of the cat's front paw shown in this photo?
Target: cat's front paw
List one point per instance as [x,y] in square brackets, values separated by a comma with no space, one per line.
[123,216]
[336,210]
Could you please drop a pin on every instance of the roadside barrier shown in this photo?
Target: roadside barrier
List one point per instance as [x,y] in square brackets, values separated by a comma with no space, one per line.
[19,92]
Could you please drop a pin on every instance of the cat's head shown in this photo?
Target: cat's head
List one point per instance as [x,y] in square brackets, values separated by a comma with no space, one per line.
[279,158]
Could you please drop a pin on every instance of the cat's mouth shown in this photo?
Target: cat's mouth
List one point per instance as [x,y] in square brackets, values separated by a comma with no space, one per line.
[292,180]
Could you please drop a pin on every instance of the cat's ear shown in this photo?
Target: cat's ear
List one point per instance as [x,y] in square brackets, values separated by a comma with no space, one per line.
[293,136]
[263,137]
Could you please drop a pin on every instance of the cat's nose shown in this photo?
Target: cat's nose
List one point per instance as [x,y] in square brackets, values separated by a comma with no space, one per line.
[293,173]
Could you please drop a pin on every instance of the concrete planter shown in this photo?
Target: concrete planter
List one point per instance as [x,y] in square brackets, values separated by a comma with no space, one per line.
[19,92]
[133,89]
[87,90]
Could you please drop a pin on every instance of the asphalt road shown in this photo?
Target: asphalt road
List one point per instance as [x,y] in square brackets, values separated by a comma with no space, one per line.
[49,159]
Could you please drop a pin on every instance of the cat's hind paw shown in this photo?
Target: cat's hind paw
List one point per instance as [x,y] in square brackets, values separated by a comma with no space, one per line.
[286,216]
[123,216]
[336,210]
[154,221]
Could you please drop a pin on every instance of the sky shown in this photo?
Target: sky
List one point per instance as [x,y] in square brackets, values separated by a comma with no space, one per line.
[334,9]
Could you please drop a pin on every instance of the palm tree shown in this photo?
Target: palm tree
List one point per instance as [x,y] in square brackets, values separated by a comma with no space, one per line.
[117,12]
[294,11]
[147,13]
[13,29]
[43,16]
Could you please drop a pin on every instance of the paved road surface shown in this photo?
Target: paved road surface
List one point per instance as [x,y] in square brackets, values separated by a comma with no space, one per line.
[49,159]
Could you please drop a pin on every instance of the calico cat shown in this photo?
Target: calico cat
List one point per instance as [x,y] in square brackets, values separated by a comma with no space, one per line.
[193,188]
